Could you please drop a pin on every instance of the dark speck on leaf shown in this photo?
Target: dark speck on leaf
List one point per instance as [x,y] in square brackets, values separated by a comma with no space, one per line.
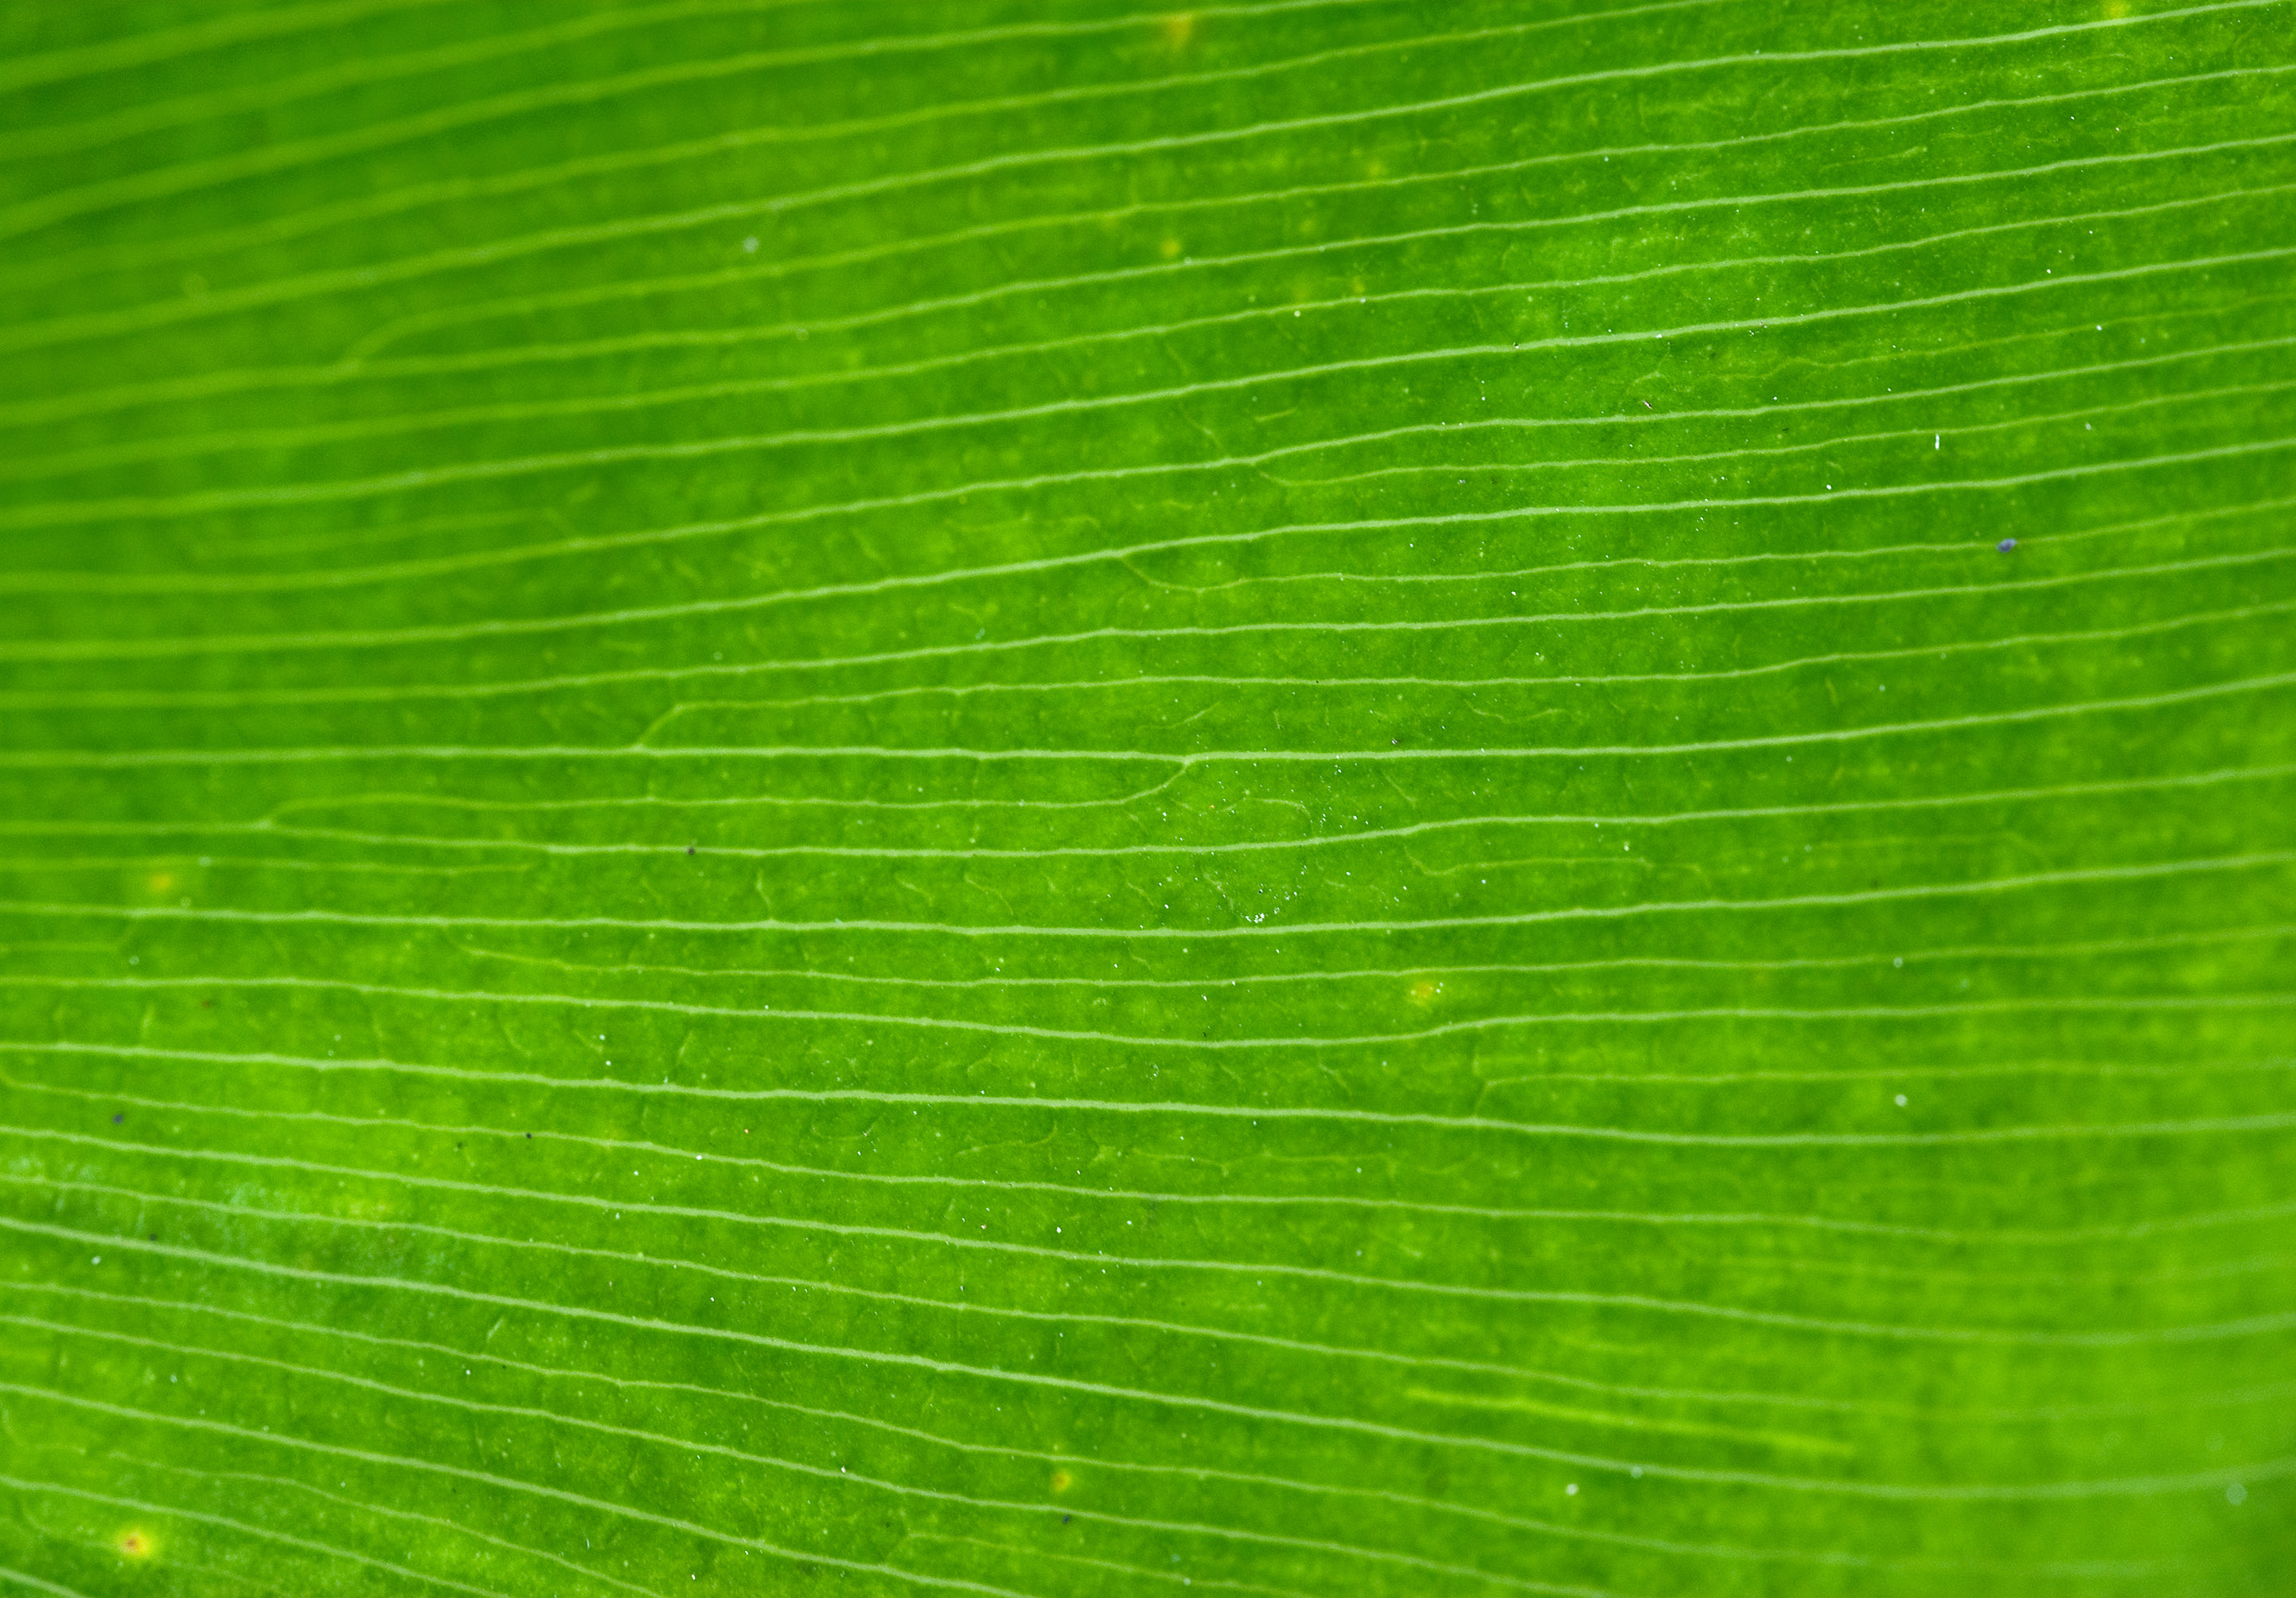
[530,1136]
[2005,546]
[1064,1520]
[689,849]
[118,1118]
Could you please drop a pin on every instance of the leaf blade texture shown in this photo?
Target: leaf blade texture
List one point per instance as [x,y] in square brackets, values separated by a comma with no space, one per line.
[1322,796]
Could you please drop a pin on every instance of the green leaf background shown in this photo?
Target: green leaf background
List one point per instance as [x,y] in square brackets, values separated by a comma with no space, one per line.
[883,797]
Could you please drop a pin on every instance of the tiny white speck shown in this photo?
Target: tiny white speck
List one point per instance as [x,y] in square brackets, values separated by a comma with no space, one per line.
[1901,1100]
[1572,1489]
[750,246]
[1900,960]
[95,1260]
[2235,1493]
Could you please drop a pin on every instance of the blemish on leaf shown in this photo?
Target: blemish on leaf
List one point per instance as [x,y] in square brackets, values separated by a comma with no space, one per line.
[1061,1481]
[1179,27]
[1423,991]
[136,1545]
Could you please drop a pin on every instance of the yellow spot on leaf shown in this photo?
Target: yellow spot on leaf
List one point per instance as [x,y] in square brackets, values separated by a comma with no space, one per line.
[136,1545]
[1179,27]
[1061,1480]
[1423,991]
[1170,247]
[162,881]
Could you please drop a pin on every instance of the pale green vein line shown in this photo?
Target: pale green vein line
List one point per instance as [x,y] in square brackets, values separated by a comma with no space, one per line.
[164,313]
[232,643]
[1798,1401]
[1178,210]
[569,237]
[1180,761]
[798,1016]
[1226,1198]
[720,145]
[2002,1492]
[392,1513]
[231,381]
[758,1340]
[127,50]
[2004,884]
[1196,1472]
[959,1307]
[427,840]
[39,1584]
[417,691]
[2129,1232]
[580,1501]
[176,1511]
[823,1472]
[2011,1336]
[21,143]
[79,513]
[263,582]
[1170,1578]
[191,177]
[369,429]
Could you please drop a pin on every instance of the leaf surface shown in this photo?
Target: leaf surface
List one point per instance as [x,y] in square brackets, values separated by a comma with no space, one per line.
[1317,797]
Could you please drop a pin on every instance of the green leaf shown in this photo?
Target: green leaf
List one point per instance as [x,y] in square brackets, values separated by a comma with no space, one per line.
[1324,796]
